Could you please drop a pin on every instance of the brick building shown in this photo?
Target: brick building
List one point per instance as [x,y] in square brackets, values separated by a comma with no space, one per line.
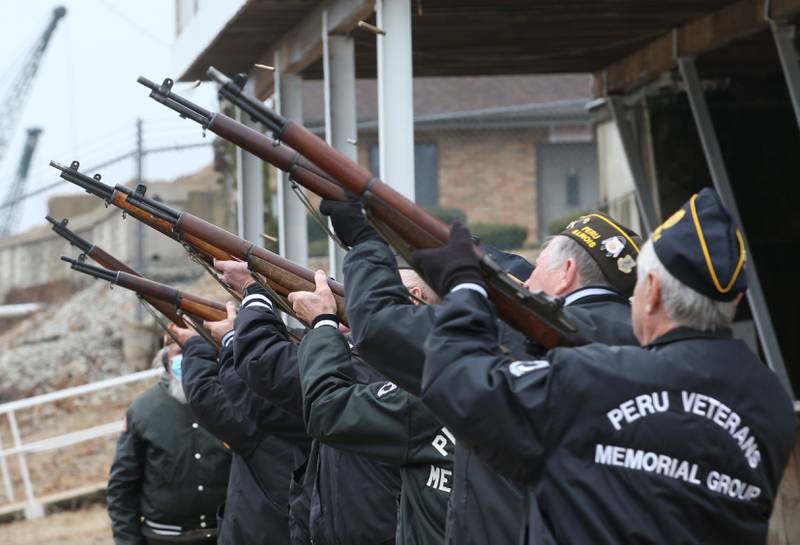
[514,150]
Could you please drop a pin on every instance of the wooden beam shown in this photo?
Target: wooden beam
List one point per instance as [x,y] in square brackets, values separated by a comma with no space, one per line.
[707,33]
[301,46]
[784,9]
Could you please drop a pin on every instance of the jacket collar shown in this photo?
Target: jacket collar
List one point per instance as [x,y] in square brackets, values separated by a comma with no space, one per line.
[687,333]
[591,294]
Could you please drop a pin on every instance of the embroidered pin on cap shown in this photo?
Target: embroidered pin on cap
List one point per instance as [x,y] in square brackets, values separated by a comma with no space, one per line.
[613,246]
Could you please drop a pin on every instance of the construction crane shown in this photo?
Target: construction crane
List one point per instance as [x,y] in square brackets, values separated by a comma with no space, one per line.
[13,100]
[8,213]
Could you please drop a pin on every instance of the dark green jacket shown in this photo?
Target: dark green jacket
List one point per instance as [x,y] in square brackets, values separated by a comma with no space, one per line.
[167,469]
[390,333]
[382,422]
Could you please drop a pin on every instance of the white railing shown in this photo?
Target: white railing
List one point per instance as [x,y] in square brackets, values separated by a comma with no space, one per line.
[33,508]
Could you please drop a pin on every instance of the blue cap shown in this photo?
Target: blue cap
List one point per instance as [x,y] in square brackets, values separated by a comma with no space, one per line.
[515,264]
[701,246]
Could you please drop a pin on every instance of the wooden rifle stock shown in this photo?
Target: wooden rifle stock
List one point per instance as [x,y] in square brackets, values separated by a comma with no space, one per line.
[281,275]
[209,241]
[206,309]
[536,315]
[277,155]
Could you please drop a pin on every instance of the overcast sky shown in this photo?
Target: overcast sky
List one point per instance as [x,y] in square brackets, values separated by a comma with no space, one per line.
[85,95]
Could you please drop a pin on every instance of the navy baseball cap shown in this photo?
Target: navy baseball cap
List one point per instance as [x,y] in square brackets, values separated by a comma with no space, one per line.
[515,264]
[701,246]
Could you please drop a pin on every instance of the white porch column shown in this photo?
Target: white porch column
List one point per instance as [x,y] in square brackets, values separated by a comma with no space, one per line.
[292,227]
[395,95]
[343,129]
[250,189]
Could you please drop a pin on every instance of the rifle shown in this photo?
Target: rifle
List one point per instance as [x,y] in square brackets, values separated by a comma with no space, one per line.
[239,134]
[110,262]
[184,303]
[280,276]
[408,227]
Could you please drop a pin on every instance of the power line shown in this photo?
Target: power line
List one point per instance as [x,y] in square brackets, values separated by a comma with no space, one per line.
[134,24]
[119,158]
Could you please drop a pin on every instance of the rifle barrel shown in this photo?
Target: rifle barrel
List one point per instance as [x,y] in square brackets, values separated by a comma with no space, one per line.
[110,262]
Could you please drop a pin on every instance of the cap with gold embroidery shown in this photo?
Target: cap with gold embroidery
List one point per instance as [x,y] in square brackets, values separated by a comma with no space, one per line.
[613,246]
[701,246]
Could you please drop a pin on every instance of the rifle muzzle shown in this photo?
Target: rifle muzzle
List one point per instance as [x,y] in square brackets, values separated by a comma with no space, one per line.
[91,185]
[91,270]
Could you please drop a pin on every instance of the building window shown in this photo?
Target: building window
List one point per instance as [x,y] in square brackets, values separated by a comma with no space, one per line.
[426,171]
[573,188]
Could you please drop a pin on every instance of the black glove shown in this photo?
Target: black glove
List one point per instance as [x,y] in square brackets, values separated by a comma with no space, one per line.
[446,267]
[348,221]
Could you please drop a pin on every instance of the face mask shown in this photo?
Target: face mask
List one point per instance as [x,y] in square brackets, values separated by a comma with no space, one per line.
[175,365]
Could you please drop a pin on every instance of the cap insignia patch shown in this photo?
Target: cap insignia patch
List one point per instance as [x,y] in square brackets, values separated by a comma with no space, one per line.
[613,246]
[626,264]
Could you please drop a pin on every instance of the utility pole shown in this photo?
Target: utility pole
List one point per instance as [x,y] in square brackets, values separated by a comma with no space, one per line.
[138,257]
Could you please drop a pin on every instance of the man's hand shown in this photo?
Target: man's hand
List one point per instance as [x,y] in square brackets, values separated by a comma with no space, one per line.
[235,274]
[182,333]
[446,267]
[348,221]
[309,305]
[219,329]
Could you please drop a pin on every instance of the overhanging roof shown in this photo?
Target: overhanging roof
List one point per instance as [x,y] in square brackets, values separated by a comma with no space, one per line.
[633,39]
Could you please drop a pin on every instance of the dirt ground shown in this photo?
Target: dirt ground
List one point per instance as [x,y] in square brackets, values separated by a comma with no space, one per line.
[89,526]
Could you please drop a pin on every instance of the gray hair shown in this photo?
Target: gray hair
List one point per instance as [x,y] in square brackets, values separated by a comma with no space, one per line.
[161,359]
[563,248]
[682,304]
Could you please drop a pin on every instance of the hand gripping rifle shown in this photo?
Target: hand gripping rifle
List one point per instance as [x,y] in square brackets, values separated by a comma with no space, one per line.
[408,227]
[280,276]
[183,303]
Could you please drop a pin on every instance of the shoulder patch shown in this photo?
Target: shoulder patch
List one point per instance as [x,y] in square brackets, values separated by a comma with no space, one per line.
[386,388]
[519,368]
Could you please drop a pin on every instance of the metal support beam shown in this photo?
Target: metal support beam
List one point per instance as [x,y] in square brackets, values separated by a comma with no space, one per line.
[784,35]
[138,257]
[644,193]
[395,96]
[719,175]
[250,189]
[342,131]
[292,227]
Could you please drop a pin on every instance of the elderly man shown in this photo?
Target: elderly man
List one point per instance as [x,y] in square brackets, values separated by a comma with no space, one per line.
[681,441]
[378,420]
[267,443]
[390,333]
[169,475]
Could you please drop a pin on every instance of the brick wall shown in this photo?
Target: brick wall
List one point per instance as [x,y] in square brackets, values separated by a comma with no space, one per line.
[490,175]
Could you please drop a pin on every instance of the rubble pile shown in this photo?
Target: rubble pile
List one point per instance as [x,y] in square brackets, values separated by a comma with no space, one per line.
[66,344]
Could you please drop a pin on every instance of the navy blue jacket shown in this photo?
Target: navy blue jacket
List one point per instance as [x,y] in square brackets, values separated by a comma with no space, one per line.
[682,441]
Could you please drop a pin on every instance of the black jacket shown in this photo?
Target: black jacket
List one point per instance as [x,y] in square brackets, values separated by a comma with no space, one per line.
[166,469]
[257,504]
[382,422]
[390,332]
[683,441]
[353,499]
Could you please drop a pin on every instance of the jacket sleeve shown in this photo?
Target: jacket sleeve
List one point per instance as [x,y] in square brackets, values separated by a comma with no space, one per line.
[376,420]
[388,330]
[501,409]
[206,397]
[263,354]
[125,486]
